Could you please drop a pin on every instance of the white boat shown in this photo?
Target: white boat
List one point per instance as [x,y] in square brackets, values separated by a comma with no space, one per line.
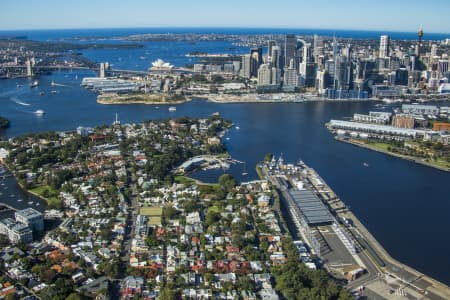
[52,83]
[31,202]
[172,108]
[19,200]
[365,164]
[37,204]
[39,112]
[227,138]
[34,84]
[237,127]
[156,107]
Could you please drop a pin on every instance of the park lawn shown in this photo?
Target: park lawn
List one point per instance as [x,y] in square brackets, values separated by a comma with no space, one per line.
[378,145]
[151,211]
[52,198]
[440,163]
[184,180]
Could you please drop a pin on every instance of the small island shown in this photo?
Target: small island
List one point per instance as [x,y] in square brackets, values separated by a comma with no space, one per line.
[4,123]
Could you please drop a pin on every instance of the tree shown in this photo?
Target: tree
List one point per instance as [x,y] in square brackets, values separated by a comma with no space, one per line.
[73,296]
[48,276]
[227,182]
[246,284]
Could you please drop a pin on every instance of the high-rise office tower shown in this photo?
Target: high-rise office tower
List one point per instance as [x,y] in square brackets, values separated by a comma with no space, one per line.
[267,75]
[384,46]
[317,47]
[270,45]
[255,61]
[433,50]
[306,57]
[290,48]
[264,75]
[275,55]
[245,66]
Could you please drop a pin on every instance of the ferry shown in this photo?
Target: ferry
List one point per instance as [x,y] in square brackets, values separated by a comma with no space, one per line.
[172,108]
[34,84]
[39,112]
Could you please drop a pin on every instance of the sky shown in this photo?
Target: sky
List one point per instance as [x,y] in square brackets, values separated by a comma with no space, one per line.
[389,15]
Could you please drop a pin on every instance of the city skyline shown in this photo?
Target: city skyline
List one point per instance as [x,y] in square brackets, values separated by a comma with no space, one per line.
[401,15]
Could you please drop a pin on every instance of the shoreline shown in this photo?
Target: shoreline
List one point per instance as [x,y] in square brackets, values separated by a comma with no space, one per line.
[405,157]
[437,287]
[392,266]
[108,99]
[23,189]
[155,99]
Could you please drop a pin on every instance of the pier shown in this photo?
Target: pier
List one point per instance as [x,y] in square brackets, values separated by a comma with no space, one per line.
[346,243]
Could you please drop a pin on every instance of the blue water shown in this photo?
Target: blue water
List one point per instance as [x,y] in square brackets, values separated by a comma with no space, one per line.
[403,204]
[58,34]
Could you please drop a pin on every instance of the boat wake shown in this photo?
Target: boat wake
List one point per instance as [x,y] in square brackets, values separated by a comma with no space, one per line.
[17,100]
[8,93]
[59,84]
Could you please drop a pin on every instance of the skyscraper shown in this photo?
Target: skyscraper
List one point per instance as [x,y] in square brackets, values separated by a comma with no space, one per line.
[306,53]
[317,47]
[270,44]
[275,55]
[267,75]
[384,46]
[255,61]
[245,66]
[290,49]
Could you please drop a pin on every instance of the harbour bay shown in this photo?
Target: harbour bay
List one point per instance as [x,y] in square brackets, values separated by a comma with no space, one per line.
[404,205]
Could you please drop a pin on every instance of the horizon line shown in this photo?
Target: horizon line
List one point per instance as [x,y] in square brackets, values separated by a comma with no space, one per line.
[219,27]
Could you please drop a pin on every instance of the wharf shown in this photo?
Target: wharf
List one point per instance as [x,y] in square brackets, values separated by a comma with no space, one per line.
[423,285]
[386,276]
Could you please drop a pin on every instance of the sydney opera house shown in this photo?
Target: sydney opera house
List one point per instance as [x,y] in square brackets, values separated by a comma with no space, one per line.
[160,65]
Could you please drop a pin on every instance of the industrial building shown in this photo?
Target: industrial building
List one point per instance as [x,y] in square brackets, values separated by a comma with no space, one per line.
[376,129]
[311,207]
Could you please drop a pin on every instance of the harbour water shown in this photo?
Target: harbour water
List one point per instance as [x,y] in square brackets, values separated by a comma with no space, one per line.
[404,205]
